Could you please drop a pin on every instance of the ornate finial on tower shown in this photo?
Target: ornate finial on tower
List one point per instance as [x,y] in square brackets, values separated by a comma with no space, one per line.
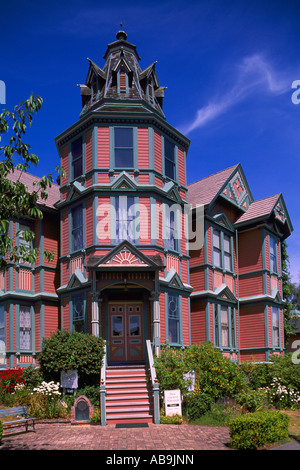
[121,34]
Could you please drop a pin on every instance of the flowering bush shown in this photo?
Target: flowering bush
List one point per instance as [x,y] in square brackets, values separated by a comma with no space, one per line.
[44,401]
[10,378]
[282,397]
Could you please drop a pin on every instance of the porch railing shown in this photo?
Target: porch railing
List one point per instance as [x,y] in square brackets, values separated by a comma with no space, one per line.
[154,382]
[103,389]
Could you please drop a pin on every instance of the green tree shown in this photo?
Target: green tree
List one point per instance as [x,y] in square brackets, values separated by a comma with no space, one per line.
[287,290]
[15,199]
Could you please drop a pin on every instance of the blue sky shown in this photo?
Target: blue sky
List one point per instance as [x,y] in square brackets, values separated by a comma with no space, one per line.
[228,65]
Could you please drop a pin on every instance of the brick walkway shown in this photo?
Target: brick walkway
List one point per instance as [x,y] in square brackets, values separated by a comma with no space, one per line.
[89,437]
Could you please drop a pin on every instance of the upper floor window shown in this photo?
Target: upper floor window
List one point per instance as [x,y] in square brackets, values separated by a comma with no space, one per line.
[173,319]
[25,328]
[169,154]
[122,82]
[77,228]
[275,326]
[273,255]
[171,232]
[24,244]
[125,229]
[77,157]
[123,147]
[78,313]
[222,250]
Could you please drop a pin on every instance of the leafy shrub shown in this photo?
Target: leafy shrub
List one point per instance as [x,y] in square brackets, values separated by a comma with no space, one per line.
[257,375]
[253,430]
[1,430]
[72,351]
[216,375]
[252,400]
[32,377]
[197,404]
[92,392]
[288,372]
[170,368]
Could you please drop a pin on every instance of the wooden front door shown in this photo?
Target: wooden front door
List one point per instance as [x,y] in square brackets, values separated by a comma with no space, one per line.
[126,336]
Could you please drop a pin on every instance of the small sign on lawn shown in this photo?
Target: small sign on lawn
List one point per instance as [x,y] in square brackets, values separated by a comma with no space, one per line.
[172,400]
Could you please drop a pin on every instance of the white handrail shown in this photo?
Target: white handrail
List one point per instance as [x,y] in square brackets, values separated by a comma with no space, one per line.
[151,362]
[103,368]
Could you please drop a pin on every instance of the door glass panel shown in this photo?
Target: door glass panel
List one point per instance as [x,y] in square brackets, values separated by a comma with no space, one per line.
[117,325]
[134,325]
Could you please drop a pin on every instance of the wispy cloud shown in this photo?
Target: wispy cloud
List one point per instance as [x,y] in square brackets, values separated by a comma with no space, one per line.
[252,74]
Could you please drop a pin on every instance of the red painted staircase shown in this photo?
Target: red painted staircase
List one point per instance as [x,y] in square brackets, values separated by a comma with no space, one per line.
[129,398]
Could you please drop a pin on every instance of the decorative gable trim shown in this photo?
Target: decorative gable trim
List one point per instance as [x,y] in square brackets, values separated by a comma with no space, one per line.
[124,181]
[222,219]
[224,293]
[76,190]
[173,280]
[236,189]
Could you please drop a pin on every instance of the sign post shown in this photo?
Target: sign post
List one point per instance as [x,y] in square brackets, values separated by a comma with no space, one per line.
[172,400]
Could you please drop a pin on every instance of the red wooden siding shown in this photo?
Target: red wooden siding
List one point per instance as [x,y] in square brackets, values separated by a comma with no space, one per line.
[89,222]
[145,220]
[88,150]
[185,321]
[103,227]
[51,238]
[51,319]
[65,163]
[103,147]
[25,279]
[252,326]
[198,322]
[250,251]
[65,233]
[181,167]
[157,152]
[162,318]
[143,147]
[251,285]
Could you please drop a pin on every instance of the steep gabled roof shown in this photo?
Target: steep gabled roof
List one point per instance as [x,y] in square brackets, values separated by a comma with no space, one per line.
[28,180]
[258,209]
[205,190]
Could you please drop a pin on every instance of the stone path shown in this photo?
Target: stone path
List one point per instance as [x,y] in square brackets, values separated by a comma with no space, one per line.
[89,437]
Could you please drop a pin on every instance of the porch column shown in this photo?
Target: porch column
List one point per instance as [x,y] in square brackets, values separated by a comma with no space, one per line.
[95,314]
[156,323]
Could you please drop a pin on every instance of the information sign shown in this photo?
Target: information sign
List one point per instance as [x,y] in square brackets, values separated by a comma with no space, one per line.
[172,402]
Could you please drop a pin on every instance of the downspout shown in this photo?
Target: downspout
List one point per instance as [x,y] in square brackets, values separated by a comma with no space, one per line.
[238,292]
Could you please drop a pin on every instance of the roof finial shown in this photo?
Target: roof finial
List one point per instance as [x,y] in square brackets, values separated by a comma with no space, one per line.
[121,34]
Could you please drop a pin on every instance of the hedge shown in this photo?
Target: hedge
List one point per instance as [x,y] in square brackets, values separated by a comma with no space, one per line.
[253,430]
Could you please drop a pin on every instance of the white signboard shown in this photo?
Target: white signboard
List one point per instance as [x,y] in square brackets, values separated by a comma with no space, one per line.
[173,402]
[69,379]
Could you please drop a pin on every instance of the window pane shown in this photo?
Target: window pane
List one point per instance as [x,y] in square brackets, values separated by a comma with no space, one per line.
[124,158]
[77,168]
[227,261]
[77,231]
[25,328]
[78,312]
[217,257]
[169,169]
[216,239]
[134,325]
[224,327]
[123,137]
[76,148]
[169,150]
[227,244]
[117,325]
[173,319]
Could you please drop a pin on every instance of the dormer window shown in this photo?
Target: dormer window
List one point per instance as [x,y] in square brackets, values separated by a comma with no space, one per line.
[94,89]
[122,81]
[150,92]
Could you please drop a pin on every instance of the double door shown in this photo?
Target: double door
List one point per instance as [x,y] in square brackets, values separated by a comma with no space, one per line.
[126,337]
